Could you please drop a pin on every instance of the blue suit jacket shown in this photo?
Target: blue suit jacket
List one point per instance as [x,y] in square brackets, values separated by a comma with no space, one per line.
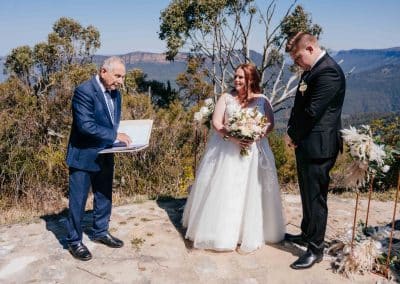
[92,128]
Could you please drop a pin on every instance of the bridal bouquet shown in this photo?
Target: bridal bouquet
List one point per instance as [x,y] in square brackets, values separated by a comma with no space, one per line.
[204,115]
[247,124]
[368,156]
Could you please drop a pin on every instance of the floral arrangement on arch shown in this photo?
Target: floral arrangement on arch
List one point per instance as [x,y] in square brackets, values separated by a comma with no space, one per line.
[368,252]
[369,157]
[204,115]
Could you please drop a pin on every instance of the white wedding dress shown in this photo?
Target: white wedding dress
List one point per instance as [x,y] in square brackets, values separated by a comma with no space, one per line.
[235,199]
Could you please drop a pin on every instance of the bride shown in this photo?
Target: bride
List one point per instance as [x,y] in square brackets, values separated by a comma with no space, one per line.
[235,200]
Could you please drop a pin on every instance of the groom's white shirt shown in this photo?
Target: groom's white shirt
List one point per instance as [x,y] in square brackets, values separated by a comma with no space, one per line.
[103,89]
[318,58]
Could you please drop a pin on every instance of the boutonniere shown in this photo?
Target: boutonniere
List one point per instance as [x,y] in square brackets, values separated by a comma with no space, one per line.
[302,87]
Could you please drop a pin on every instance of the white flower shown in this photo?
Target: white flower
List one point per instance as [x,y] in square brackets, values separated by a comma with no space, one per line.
[204,111]
[377,153]
[209,102]
[204,115]
[198,116]
[385,168]
[246,132]
[302,87]
[369,157]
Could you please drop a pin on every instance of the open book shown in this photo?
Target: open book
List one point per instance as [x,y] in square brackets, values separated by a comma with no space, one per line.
[138,130]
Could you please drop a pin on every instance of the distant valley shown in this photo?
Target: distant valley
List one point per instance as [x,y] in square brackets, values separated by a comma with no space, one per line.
[373,86]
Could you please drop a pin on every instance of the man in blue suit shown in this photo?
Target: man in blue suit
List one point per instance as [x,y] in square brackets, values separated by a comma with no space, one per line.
[96,111]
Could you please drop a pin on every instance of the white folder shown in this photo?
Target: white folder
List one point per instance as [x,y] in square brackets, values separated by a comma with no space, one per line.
[138,130]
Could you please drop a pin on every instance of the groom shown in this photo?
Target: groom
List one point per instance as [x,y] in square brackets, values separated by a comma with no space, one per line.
[313,130]
[96,111]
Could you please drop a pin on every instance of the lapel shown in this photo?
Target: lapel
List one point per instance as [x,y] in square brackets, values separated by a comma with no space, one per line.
[306,77]
[317,66]
[100,95]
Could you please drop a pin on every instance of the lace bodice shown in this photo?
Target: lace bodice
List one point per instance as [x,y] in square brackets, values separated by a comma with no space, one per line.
[232,105]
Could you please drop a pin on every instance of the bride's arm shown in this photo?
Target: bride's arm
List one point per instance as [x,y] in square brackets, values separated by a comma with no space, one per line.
[269,113]
[219,116]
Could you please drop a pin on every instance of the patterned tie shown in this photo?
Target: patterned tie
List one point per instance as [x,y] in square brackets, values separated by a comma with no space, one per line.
[110,105]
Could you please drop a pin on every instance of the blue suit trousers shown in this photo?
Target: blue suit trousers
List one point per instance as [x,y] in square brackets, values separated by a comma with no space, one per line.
[79,185]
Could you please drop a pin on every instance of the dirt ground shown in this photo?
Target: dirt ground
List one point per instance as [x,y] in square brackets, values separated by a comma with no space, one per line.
[155,251]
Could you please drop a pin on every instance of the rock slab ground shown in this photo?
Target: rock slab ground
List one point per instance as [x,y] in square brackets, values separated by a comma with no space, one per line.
[156,252]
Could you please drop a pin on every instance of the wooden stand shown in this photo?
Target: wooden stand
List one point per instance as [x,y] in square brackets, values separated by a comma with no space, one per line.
[354,222]
[371,184]
[391,232]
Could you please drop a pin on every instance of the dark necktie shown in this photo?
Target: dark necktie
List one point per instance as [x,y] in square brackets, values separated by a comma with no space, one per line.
[110,104]
[304,75]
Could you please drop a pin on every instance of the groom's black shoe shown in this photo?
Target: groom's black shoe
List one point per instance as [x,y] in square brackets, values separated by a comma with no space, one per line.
[109,241]
[297,239]
[80,251]
[307,260]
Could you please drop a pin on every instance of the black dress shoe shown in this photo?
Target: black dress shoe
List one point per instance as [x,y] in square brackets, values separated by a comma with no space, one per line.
[307,260]
[297,239]
[109,241]
[80,251]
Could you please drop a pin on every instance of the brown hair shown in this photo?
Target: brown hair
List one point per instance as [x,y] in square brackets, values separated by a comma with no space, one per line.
[252,81]
[294,41]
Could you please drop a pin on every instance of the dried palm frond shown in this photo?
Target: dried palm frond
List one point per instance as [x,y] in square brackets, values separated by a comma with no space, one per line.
[357,174]
[360,259]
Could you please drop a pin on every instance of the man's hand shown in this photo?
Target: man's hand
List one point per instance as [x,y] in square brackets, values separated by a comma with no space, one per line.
[289,142]
[122,137]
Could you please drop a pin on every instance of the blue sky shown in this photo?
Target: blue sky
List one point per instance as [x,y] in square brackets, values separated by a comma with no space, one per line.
[132,25]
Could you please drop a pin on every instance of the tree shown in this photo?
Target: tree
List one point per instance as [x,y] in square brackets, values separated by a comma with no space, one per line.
[134,79]
[20,63]
[74,42]
[299,21]
[192,83]
[160,94]
[220,31]
[67,45]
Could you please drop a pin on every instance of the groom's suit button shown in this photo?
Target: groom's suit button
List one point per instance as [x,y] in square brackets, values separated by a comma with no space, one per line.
[109,241]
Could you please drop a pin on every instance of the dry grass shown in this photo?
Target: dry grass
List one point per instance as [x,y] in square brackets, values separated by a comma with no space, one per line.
[26,213]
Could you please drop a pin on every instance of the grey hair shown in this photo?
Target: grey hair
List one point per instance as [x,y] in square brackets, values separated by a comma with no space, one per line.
[110,63]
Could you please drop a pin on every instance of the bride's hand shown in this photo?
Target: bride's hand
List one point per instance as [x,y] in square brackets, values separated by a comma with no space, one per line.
[246,142]
[243,143]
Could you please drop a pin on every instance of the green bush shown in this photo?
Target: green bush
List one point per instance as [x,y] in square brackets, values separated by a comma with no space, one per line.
[34,134]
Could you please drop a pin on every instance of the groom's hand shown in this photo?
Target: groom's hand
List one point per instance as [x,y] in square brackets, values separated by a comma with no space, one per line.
[289,142]
[122,137]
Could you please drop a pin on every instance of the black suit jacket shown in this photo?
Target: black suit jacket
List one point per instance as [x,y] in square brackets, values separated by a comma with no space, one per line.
[315,118]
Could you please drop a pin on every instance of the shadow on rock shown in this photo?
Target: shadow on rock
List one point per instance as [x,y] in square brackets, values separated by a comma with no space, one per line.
[56,223]
[294,249]
[174,208]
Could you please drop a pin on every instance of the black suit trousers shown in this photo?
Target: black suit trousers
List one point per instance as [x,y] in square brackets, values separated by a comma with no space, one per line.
[313,177]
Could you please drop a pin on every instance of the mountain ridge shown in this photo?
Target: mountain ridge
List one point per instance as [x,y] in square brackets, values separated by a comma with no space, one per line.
[372,86]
